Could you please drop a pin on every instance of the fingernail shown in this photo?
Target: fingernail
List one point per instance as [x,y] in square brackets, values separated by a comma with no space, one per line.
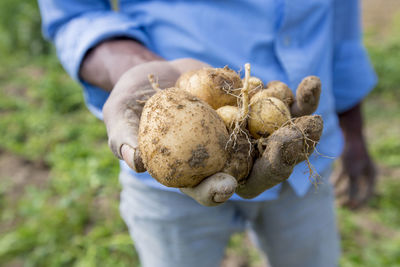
[138,162]
[128,155]
[220,198]
[133,158]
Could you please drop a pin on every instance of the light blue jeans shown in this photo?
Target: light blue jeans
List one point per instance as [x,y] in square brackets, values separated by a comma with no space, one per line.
[171,230]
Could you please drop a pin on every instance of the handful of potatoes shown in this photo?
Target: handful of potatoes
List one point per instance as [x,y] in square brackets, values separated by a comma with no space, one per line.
[213,121]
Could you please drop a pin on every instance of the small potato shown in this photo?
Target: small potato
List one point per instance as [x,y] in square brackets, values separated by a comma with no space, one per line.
[255,85]
[229,114]
[266,115]
[181,139]
[278,90]
[216,86]
[183,80]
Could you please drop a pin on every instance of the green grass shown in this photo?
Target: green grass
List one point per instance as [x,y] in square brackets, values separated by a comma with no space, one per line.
[75,219]
[72,218]
[371,237]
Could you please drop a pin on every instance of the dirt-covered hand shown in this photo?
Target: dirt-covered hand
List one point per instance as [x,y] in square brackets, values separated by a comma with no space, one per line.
[355,178]
[123,108]
[213,190]
[122,113]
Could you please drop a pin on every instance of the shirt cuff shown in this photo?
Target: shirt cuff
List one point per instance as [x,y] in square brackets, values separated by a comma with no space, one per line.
[81,33]
[353,76]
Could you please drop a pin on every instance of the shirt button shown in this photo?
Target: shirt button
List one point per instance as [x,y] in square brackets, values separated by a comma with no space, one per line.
[287,40]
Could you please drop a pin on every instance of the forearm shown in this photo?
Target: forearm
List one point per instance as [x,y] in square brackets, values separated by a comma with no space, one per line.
[351,122]
[105,63]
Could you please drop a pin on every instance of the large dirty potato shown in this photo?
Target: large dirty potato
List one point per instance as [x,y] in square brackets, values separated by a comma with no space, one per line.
[181,138]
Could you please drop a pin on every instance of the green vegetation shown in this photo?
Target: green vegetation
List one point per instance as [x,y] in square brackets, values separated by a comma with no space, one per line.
[65,211]
[73,218]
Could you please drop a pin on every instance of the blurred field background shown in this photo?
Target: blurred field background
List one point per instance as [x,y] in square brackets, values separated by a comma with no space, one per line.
[58,180]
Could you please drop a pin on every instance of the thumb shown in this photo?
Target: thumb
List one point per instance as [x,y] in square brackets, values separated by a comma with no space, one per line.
[133,158]
[122,129]
[213,190]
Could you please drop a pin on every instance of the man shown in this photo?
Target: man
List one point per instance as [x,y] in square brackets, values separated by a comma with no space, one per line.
[283,40]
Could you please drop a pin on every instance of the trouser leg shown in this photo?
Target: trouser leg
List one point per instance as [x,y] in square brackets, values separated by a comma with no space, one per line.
[299,231]
[172,230]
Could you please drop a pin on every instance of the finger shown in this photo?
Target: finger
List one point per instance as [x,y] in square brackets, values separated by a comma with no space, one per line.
[365,191]
[343,200]
[122,128]
[132,157]
[262,177]
[213,190]
[355,194]
[370,174]
[284,148]
[307,97]
[342,188]
[338,178]
[366,186]
[311,128]
[188,64]
[362,187]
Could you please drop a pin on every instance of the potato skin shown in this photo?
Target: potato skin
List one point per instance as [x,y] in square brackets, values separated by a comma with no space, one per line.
[183,80]
[229,114]
[215,86]
[281,91]
[181,138]
[266,115]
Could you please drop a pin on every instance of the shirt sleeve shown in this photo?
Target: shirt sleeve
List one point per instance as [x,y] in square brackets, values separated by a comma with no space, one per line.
[353,75]
[75,26]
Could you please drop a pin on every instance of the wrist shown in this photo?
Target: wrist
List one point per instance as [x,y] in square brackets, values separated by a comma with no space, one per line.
[351,122]
[105,63]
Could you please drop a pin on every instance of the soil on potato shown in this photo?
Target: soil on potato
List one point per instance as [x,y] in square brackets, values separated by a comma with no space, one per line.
[199,155]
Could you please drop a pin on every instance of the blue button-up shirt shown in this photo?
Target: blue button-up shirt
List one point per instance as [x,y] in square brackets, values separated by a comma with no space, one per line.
[284,40]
